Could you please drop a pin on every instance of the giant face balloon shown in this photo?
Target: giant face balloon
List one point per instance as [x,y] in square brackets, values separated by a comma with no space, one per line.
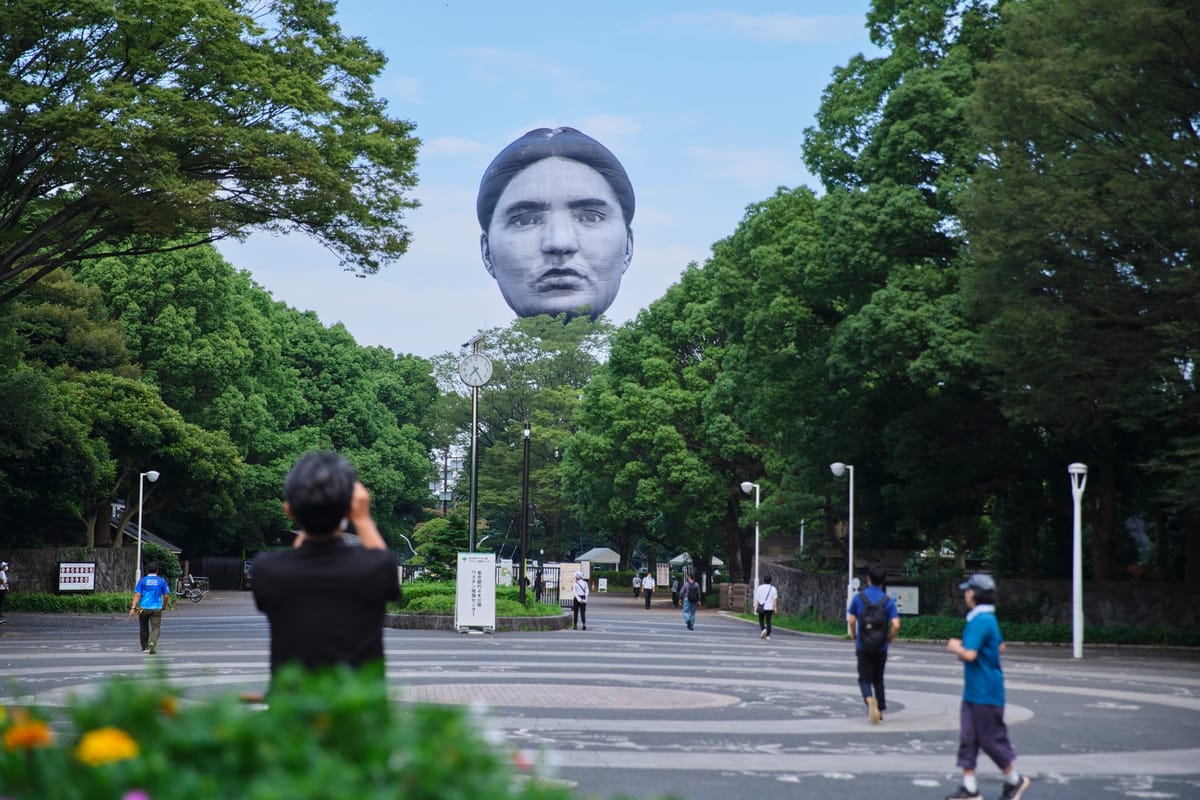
[555,207]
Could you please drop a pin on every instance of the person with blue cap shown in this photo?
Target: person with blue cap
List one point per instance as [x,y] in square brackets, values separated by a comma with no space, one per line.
[981,716]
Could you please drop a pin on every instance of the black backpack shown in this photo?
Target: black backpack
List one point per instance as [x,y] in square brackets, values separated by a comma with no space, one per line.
[873,624]
[694,592]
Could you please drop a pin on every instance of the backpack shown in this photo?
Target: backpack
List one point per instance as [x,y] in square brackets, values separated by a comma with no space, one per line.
[873,624]
[693,592]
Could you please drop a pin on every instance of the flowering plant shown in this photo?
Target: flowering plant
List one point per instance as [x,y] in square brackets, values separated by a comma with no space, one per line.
[328,736]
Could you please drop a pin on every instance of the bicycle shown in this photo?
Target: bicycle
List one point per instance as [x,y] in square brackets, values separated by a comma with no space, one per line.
[192,588]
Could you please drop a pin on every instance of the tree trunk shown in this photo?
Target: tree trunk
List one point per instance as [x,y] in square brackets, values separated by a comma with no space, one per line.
[1104,519]
[1191,548]
[733,539]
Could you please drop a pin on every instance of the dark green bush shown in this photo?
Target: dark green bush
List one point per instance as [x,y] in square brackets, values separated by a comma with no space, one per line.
[46,603]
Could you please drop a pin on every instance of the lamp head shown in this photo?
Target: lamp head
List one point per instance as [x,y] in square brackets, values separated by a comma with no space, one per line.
[838,469]
[1077,469]
[747,487]
[152,475]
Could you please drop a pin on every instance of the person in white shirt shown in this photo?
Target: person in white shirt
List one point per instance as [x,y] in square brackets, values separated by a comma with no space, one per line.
[579,606]
[766,598]
[648,587]
[3,588]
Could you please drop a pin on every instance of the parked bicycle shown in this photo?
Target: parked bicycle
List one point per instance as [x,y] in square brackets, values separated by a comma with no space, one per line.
[192,588]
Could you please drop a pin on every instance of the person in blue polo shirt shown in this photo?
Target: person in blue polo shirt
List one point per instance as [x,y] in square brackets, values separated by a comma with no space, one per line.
[149,596]
[981,718]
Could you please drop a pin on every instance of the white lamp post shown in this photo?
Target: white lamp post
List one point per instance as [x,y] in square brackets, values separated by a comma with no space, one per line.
[1078,473]
[746,487]
[152,476]
[839,469]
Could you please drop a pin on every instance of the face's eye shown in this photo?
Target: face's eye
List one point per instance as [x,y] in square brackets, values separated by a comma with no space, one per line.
[526,218]
[589,215]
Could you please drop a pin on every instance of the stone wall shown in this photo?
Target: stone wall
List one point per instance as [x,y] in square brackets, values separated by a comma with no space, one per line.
[1045,601]
[37,570]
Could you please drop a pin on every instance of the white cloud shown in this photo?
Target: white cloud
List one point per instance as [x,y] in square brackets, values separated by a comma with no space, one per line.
[771,28]
[451,146]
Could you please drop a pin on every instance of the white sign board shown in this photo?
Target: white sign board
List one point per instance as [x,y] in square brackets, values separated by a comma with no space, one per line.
[506,572]
[566,582]
[602,585]
[76,576]
[475,592]
[908,598]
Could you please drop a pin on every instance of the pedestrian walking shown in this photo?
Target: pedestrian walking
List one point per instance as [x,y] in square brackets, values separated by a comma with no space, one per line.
[691,601]
[874,623]
[149,597]
[3,589]
[766,598]
[637,586]
[579,604]
[981,717]
[648,588]
[538,585]
[675,584]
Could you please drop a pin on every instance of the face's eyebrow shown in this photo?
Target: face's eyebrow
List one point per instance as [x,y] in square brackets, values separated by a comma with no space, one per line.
[524,207]
[588,202]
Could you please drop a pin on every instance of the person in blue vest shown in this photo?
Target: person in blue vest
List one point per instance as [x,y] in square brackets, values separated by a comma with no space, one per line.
[149,597]
[874,622]
[981,717]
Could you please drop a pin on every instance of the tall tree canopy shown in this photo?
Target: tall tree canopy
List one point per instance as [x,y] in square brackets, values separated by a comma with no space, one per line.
[136,127]
[1084,230]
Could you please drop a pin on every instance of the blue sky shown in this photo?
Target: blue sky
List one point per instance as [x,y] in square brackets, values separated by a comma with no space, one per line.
[704,105]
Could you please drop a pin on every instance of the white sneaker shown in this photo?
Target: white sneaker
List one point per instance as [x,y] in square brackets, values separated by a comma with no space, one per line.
[873,711]
[763,635]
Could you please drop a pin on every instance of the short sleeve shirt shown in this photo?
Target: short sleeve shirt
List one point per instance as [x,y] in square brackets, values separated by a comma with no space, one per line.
[857,606]
[983,679]
[152,588]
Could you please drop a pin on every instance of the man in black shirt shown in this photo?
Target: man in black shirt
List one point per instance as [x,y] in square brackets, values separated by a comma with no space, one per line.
[326,599]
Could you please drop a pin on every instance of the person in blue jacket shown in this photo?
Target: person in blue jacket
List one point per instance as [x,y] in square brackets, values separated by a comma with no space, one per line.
[981,717]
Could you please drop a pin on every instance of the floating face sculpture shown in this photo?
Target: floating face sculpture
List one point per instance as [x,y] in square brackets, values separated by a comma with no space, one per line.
[555,207]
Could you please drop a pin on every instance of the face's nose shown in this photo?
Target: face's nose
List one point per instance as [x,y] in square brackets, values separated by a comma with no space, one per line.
[559,235]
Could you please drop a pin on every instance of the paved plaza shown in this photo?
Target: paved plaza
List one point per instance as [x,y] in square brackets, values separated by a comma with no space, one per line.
[639,706]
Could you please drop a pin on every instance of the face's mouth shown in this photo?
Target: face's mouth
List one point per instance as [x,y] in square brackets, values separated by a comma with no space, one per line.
[560,279]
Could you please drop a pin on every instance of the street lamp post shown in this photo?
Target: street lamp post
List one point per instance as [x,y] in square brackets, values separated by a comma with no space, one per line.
[1078,473]
[746,487]
[524,515]
[152,476]
[839,469]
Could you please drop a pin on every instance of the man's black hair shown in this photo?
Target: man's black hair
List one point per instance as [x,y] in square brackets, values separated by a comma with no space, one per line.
[549,143]
[877,573]
[319,490]
[766,579]
[151,567]
[984,597]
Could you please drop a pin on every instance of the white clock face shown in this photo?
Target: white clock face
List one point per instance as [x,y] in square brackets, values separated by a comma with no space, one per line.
[475,369]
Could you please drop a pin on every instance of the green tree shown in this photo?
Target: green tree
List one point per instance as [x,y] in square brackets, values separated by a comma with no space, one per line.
[159,125]
[439,541]
[1084,234]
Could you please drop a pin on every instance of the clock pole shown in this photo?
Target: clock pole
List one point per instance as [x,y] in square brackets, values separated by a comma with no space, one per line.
[475,370]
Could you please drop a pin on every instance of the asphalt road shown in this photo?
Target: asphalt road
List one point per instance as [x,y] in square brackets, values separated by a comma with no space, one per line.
[639,706]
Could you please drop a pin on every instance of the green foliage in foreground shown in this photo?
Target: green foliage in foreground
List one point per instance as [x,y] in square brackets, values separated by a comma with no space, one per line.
[943,628]
[323,736]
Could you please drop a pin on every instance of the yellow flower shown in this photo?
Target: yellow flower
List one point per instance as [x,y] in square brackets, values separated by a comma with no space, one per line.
[26,734]
[168,705]
[104,745]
